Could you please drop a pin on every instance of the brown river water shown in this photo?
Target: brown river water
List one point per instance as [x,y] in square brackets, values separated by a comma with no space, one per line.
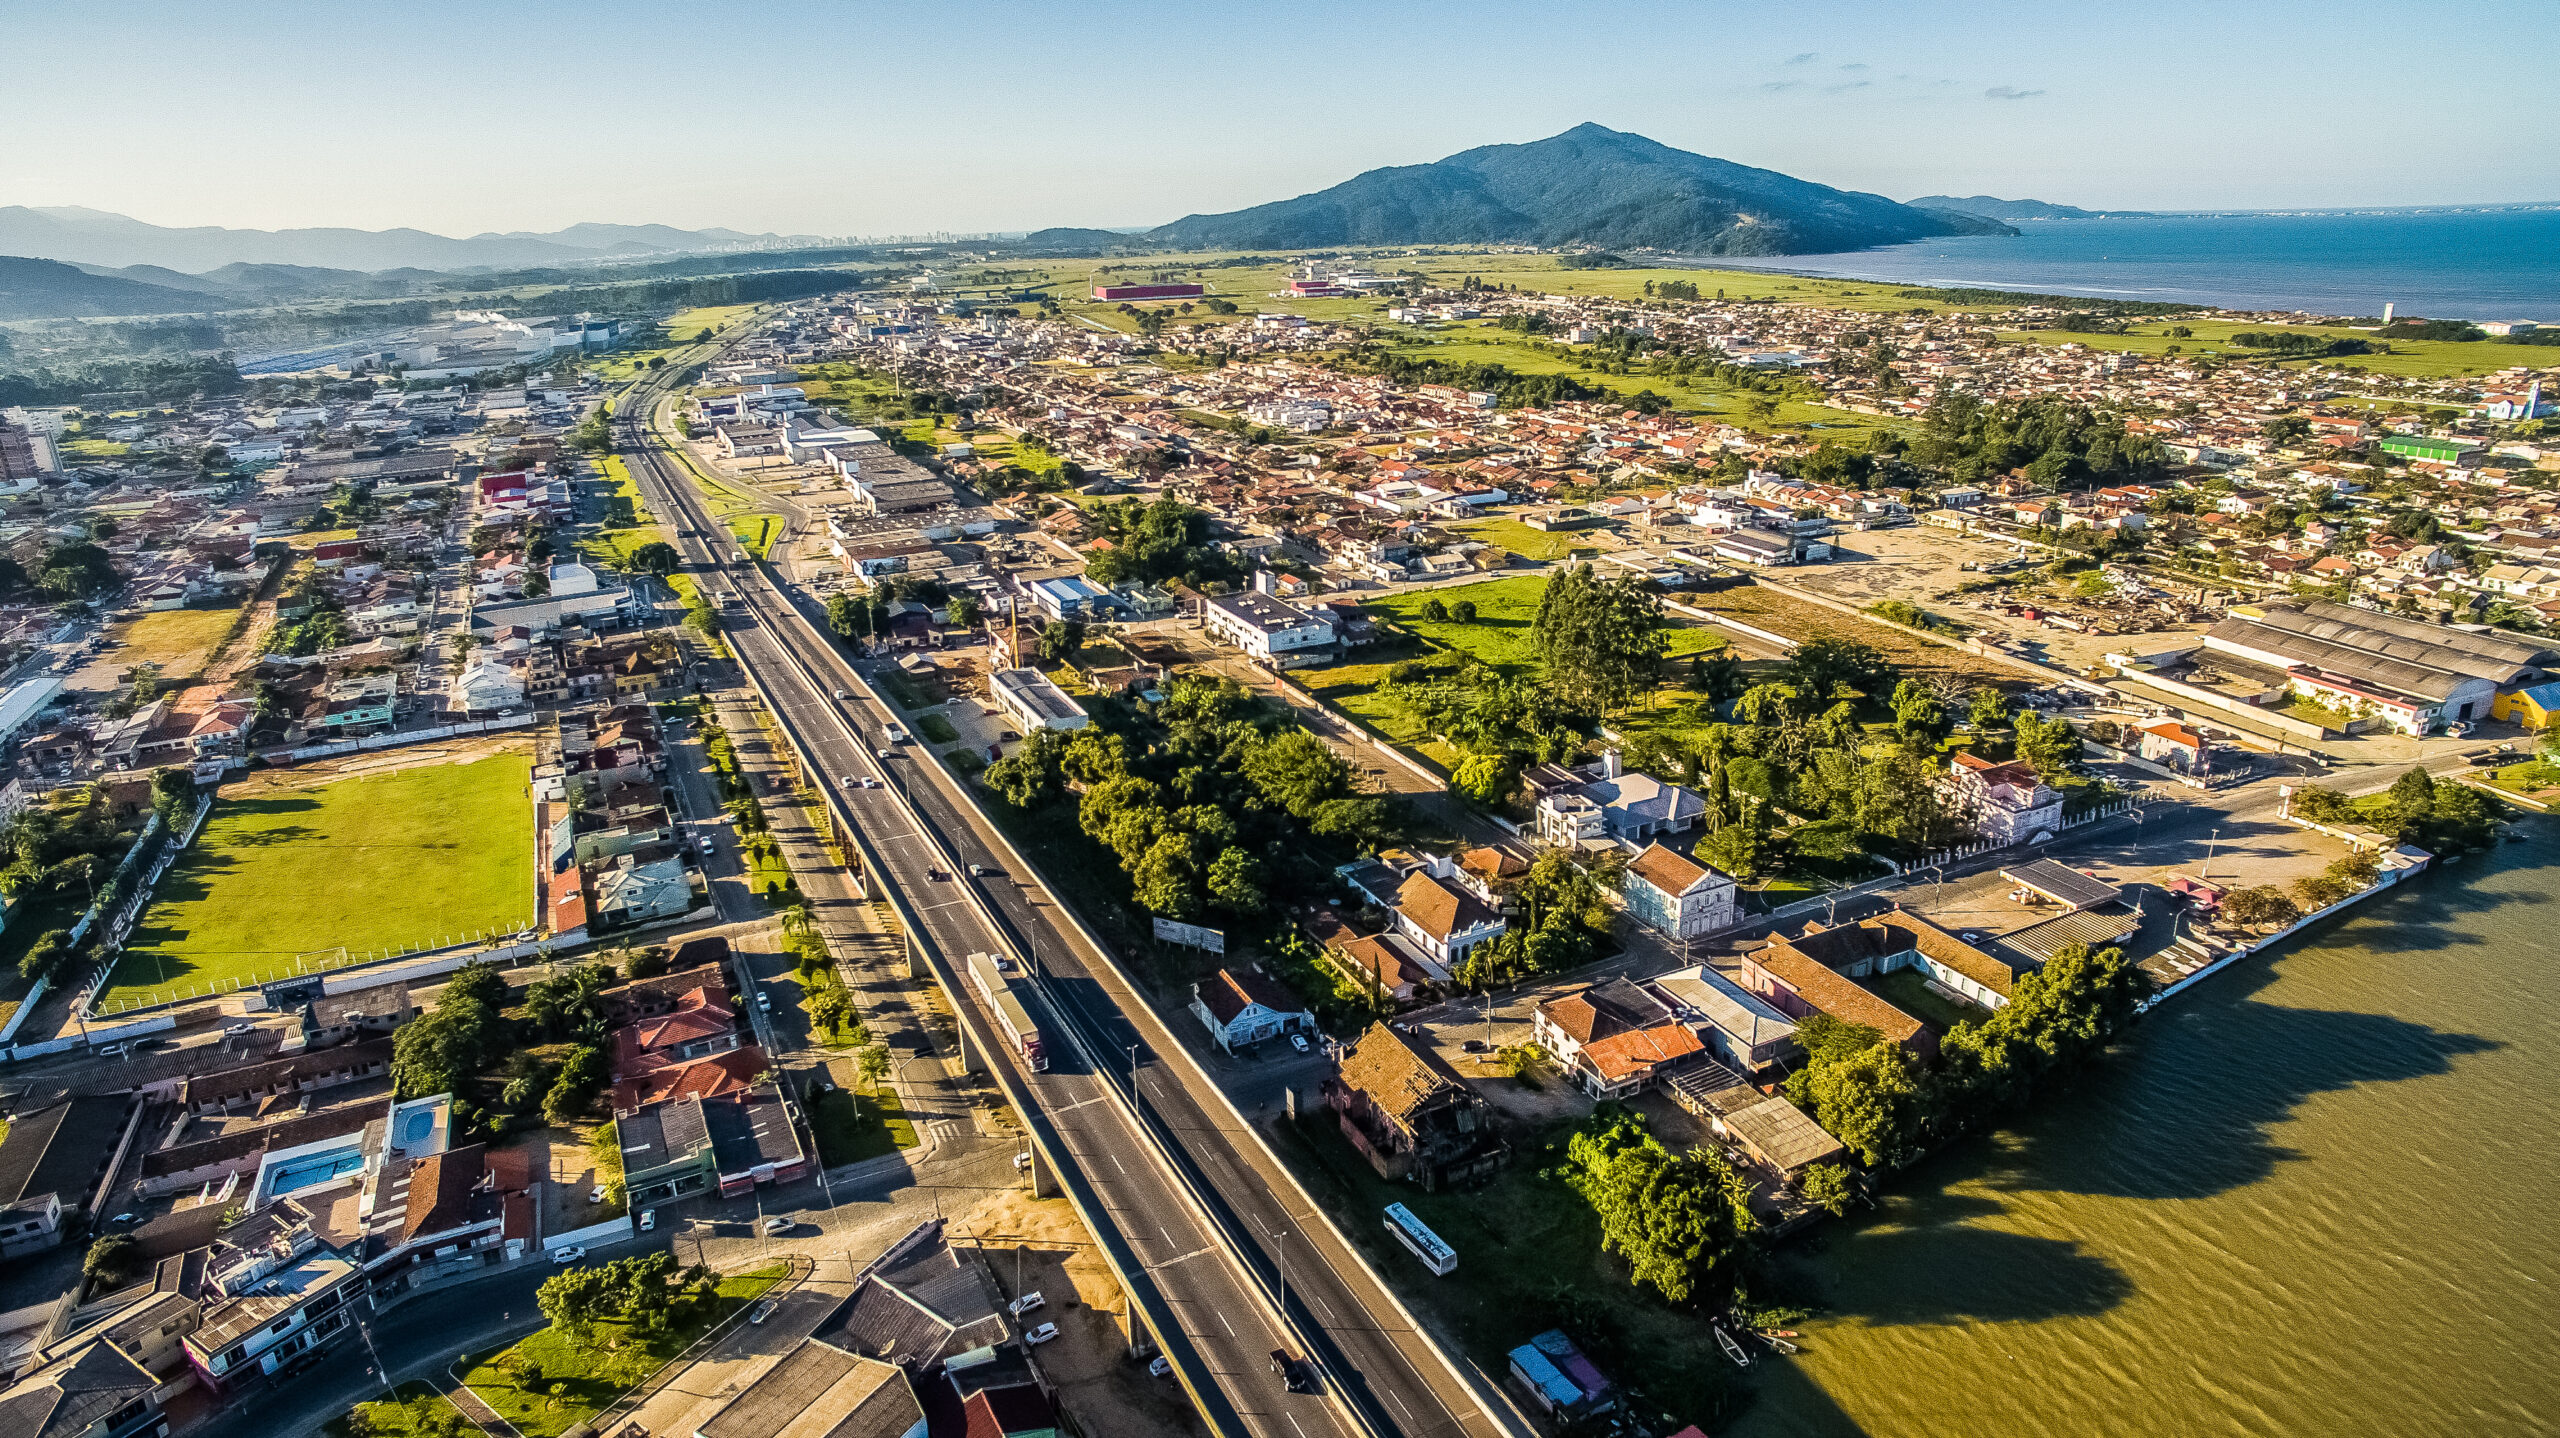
[2317,1195]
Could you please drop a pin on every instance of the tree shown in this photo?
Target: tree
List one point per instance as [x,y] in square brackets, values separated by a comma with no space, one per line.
[1918,717]
[657,557]
[535,584]
[965,609]
[1824,663]
[873,1066]
[1060,640]
[1989,710]
[1030,776]
[1870,1100]
[1435,610]
[1602,639]
[828,1006]
[1236,881]
[1464,611]
[581,1078]
[173,795]
[2261,906]
[1826,1186]
[2050,745]
[1679,1221]
[109,1260]
[1483,777]
[49,957]
[574,1299]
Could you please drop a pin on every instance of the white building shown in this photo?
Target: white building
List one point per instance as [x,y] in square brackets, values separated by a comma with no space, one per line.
[2007,803]
[1269,629]
[1033,701]
[1676,896]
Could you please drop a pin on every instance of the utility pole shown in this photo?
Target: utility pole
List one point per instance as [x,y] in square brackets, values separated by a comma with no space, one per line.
[2207,875]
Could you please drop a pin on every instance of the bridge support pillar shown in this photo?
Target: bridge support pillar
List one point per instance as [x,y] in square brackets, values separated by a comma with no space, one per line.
[1044,1179]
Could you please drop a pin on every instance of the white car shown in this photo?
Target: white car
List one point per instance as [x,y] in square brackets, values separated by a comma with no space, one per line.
[571,1254]
[1160,1366]
[1021,1162]
[238,1031]
[981,871]
[886,753]
[596,1194]
[773,1223]
[1298,1042]
[844,694]
[648,1219]
[760,1312]
[1041,1334]
[1031,1302]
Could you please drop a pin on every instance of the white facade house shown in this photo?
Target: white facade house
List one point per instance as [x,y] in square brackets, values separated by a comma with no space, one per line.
[1269,629]
[2006,803]
[1443,920]
[1676,896]
[1246,1006]
[1032,700]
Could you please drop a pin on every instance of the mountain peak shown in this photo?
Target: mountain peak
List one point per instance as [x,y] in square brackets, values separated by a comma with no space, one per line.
[1588,185]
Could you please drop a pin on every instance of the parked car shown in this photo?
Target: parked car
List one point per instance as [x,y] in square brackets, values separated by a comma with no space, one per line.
[1022,1162]
[648,1219]
[1031,1302]
[774,1223]
[239,1030]
[1160,1366]
[596,1194]
[1298,1042]
[571,1254]
[1041,1334]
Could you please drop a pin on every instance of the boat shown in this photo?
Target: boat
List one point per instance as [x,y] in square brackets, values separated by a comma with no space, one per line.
[1731,1349]
[1780,1333]
[1780,1344]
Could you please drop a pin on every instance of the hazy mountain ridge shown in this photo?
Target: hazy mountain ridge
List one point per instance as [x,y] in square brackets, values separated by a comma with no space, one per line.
[1992,207]
[1589,185]
[99,237]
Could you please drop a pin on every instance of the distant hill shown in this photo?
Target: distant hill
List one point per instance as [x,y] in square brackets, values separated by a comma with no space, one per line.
[1589,185]
[33,289]
[1991,207]
[99,237]
[1070,240]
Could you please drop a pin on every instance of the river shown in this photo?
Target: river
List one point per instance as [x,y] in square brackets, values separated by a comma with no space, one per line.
[2317,1195]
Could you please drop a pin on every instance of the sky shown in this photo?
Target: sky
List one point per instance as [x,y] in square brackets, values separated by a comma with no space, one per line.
[968,116]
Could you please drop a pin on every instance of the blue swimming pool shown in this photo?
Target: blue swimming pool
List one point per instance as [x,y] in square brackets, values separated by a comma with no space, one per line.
[415,1126]
[318,1168]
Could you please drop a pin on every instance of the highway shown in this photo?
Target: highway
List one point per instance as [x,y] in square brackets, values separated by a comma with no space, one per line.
[1227,1331]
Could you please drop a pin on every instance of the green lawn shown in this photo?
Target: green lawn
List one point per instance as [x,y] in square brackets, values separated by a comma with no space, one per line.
[420,1412]
[1506,609]
[1906,990]
[592,1373]
[852,1127]
[2425,359]
[1531,355]
[368,864]
[936,729]
[1521,540]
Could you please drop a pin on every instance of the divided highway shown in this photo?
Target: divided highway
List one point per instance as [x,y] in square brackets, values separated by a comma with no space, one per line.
[1194,1239]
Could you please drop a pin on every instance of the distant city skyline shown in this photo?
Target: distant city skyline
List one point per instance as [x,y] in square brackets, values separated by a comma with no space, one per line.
[972,117]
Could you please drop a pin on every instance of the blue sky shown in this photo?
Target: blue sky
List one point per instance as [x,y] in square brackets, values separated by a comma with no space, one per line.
[858,118]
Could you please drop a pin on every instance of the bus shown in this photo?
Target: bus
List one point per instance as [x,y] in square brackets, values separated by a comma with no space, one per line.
[992,976]
[1417,1236]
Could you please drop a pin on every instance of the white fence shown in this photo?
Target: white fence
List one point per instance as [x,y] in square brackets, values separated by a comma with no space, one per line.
[610,1231]
[395,740]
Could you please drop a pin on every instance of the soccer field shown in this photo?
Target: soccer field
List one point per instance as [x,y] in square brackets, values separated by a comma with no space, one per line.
[375,863]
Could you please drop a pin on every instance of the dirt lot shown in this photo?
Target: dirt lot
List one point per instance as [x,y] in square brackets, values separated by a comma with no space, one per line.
[1925,566]
[1779,613]
[1037,1244]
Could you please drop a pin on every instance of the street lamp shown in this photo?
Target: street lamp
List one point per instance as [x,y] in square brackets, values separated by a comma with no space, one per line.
[2207,875]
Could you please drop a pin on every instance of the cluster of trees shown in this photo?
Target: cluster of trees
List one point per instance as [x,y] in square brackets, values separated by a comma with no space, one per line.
[161,378]
[1682,1222]
[1209,801]
[646,1291]
[1888,1107]
[2061,444]
[2414,810]
[2292,345]
[69,570]
[1564,914]
[60,857]
[1671,289]
[862,618]
[1600,640]
[467,1034]
[316,622]
[1154,543]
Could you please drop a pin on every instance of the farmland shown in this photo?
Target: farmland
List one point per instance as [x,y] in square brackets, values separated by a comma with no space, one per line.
[285,875]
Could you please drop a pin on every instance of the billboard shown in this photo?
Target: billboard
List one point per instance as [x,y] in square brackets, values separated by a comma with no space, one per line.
[1192,935]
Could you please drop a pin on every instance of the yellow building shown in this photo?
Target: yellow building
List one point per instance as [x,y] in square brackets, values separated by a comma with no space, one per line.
[2533,708]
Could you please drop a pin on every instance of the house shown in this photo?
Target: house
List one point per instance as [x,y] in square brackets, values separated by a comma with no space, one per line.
[629,891]
[1742,1031]
[1034,701]
[2173,745]
[1602,802]
[2006,803]
[1614,1038]
[1410,1114]
[1270,630]
[1816,972]
[1676,896]
[1387,965]
[1247,1006]
[96,1392]
[1776,1133]
[1444,921]
[53,1163]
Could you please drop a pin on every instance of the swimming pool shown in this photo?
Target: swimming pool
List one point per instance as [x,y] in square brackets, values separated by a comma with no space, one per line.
[318,1168]
[415,1126]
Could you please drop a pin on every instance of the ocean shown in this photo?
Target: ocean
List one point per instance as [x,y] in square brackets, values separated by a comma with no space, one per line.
[2476,265]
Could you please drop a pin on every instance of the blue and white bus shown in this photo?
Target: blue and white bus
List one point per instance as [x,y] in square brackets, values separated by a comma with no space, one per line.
[1417,1236]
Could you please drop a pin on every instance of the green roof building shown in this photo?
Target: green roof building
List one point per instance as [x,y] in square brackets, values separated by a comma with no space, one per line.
[2427,447]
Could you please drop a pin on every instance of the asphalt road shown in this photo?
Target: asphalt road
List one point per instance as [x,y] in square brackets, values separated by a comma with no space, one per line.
[1229,1331]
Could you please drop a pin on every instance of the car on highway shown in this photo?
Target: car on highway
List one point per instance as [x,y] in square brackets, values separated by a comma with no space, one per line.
[1031,1302]
[886,752]
[1292,1373]
[844,694]
[981,871]
[1041,1334]
[773,1223]
[760,1312]
[897,733]
[571,1254]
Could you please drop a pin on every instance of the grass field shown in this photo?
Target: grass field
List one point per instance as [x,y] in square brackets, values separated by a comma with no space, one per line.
[852,1127]
[1485,344]
[595,1371]
[178,640]
[2415,359]
[1521,540]
[1506,609]
[369,864]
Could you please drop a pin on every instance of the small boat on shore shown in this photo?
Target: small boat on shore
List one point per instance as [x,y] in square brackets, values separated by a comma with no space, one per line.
[1731,1349]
